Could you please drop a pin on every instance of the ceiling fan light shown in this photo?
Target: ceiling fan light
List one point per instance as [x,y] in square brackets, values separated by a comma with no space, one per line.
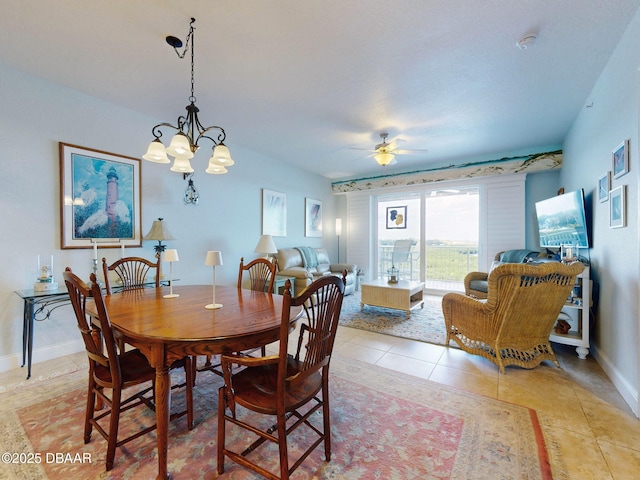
[384,158]
[156,152]
[180,146]
[182,165]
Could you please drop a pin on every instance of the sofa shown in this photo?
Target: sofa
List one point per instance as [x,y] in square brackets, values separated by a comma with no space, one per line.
[476,284]
[305,264]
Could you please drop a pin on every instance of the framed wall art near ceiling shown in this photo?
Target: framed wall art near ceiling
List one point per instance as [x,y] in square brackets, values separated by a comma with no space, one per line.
[397,217]
[312,217]
[620,159]
[274,213]
[617,207]
[604,185]
[100,198]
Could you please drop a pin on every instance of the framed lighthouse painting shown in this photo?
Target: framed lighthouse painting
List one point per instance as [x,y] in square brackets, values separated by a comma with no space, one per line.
[100,198]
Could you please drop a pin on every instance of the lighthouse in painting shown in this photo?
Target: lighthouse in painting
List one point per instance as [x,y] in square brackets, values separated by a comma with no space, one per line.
[112,199]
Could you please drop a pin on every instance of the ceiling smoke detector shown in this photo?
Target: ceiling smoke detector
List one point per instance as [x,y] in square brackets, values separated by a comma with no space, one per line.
[526,41]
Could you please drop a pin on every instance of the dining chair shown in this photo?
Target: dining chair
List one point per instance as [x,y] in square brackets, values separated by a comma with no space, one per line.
[116,371]
[262,274]
[132,272]
[291,388]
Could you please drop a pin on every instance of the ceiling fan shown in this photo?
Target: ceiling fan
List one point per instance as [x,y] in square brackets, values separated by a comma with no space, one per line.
[385,152]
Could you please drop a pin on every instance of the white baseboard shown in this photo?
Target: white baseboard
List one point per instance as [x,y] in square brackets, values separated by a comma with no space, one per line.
[9,362]
[629,394]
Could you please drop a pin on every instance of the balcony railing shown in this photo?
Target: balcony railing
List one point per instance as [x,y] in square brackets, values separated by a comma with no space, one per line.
[443,264]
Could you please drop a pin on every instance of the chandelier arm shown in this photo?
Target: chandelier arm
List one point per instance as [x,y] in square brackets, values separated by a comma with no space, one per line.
[203,131]
[156,131]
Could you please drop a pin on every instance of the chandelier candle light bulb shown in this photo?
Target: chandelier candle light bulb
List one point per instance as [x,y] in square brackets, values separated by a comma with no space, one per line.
[213,259]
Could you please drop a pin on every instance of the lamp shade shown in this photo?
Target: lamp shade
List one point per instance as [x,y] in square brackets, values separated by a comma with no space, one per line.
[384,158]
[171,255]
[182,165]
[159,231]
[215,169]
[338,226]
[266,245]
[180,146]
[222,156]
[214,258]
[156,152]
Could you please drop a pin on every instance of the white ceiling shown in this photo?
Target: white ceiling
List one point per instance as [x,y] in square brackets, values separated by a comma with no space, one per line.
[304,81]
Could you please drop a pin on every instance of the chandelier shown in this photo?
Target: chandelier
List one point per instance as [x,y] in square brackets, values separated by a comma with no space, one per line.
[190,131]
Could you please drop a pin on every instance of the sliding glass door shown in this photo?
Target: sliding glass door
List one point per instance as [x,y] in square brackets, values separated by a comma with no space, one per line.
[398,235]
[431,236]
[451,242]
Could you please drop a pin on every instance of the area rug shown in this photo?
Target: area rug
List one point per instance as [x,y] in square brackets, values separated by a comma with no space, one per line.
[425,324]
[385,425]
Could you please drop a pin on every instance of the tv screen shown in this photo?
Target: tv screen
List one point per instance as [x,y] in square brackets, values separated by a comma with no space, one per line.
[562,220]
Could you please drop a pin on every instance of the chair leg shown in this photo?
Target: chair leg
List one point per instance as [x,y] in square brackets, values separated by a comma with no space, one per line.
[222,408]
[189,371]
[91,405]
[282,447]
[113,427]
[326,414]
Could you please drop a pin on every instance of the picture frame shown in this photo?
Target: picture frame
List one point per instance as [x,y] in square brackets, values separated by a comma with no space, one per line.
[274,213]
[312,217]
[604,185]
[396,217]
[89,179]
[620,159]
[618,207]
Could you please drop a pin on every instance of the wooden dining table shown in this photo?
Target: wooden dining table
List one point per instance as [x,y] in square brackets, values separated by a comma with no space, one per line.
[166,329]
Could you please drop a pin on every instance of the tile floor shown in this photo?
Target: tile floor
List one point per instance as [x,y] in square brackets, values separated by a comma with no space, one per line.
[590,431]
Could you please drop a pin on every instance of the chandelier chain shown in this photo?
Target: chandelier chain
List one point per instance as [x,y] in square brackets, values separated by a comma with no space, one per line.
[190,38]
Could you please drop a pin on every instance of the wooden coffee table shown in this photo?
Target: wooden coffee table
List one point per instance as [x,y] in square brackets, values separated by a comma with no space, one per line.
[404,295]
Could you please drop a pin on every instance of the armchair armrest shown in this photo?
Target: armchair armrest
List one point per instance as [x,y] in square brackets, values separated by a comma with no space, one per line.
[471,276]
[296,272]
[476,315]
[339,267]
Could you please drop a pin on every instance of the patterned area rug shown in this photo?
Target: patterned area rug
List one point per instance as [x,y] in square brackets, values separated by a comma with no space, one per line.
[385,425]
[426,324]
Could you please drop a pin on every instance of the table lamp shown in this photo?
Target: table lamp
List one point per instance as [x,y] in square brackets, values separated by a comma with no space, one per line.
[213,258]
[266,245]
[159,232]
[171,255]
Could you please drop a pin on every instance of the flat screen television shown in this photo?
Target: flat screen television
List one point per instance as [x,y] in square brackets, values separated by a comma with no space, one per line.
[562,220]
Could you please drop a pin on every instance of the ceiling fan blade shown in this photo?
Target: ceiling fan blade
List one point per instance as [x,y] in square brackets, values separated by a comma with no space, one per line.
[359,148]
[410,151]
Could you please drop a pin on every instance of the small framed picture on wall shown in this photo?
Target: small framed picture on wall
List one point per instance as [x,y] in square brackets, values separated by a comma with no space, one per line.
[396,217]
[617,207]
[313,217]
[621,159]
[604,185]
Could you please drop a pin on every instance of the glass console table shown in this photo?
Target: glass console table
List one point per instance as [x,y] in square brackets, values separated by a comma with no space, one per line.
[37,308]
